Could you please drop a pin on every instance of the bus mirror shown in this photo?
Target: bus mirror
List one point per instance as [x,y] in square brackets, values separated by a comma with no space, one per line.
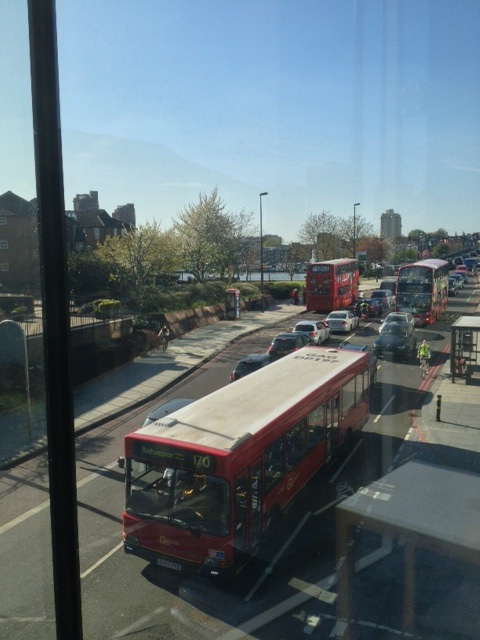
[121,462]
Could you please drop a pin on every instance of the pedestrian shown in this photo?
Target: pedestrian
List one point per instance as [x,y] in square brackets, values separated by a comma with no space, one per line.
[295,296]
[164,335]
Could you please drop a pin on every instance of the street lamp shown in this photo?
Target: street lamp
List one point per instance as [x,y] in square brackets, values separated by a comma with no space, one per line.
[357,204]
[261,246]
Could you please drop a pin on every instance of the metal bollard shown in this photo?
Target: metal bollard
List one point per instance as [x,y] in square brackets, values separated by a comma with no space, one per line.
[439,406]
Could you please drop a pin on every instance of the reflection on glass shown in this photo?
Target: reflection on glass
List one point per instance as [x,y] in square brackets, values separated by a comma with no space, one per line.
[174,118]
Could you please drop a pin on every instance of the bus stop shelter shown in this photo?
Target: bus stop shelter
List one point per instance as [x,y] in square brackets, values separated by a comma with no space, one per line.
[425,507]
[464,356]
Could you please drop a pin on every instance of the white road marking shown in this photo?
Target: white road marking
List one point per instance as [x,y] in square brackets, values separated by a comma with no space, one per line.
[269,569]
[44,505]
[384,409]
[333,478]
[139,623]
[102,560]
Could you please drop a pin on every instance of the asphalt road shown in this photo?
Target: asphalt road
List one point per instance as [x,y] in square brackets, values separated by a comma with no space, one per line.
[124,597]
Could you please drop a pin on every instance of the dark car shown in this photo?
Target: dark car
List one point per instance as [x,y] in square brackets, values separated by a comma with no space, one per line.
[397,339]
[389,285]
[453,287]
[250,363]
[373,357]
[386,297]
[285,343]
[166,408]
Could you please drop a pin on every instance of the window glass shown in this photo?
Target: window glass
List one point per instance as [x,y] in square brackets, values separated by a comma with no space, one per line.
[26,580]
[211,145]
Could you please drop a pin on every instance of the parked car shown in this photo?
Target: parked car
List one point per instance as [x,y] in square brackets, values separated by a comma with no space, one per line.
[397,316]
[398,339]
[285,343]
[315,330]
[249,364]
[453,286]
[386,297]
[459,278]
[166,408]
[373,357]
[343,321]
[389,285]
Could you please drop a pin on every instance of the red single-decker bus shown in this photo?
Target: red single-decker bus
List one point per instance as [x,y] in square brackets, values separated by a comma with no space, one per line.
[204,484]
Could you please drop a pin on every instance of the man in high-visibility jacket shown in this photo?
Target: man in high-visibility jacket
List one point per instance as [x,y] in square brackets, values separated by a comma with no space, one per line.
[424,351]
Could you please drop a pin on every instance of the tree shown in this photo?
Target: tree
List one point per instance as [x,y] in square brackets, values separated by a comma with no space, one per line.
[416,233]
[212,240]
[321,230]
[296,254]
[439,250]
[139,257]
[88,276]
[352,233]
[376,248]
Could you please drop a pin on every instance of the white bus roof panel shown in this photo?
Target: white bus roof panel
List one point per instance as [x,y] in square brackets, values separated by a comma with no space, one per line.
[228,416]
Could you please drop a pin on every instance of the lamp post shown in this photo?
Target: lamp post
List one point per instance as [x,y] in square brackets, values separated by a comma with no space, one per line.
[357,204]
[261,246]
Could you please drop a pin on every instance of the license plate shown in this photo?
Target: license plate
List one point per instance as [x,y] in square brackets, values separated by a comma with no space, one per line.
[169,565]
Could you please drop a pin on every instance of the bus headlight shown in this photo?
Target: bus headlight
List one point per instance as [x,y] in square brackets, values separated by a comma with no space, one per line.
[214,558]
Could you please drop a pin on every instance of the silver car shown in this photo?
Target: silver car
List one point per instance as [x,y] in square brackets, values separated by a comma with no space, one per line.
[344,321]
[397,316]
[315,330]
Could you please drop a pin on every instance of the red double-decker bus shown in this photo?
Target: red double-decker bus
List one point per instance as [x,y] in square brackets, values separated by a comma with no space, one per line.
[422,290]
[332,284]
[204,484]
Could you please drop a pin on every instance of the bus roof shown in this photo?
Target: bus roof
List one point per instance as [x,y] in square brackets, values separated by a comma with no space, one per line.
[232,414]
[335,262]
[431,263]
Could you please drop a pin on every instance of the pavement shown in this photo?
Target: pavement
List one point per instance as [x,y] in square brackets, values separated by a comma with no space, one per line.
[147,377]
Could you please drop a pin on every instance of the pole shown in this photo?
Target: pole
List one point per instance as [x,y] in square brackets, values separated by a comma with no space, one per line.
[355,229]
[261,249]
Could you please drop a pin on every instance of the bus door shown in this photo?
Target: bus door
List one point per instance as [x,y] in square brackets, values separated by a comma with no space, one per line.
[248,507]
[331,437]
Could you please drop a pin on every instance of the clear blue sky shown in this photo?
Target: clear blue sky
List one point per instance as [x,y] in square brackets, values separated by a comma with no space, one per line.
[322,103]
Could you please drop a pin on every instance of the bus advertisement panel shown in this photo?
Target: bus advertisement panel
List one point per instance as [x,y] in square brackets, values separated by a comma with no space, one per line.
[332,285]
[205,483]
[422,290]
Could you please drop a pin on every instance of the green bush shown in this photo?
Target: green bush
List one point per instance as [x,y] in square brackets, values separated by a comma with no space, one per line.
[106,308]
[20,310]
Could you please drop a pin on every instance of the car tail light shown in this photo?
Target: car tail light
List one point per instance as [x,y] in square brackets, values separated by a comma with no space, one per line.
[344,323]
[312,334]
[233,376]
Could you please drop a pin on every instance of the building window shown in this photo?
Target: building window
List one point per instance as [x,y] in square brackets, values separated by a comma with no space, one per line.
[3,244]
[3,221]
[96,233]
[4,266]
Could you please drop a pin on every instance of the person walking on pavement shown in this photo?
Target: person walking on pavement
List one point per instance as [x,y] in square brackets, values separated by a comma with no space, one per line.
[164,335]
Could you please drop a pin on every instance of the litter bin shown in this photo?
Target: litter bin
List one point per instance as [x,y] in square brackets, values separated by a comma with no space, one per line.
[232,304]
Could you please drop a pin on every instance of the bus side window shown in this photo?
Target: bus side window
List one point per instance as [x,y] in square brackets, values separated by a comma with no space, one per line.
[296,445]
[274,464]
[316,426]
